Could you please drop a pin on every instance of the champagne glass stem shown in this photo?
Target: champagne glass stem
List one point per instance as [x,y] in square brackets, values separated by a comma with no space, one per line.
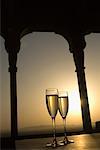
[65,133]
[64,122]
[54,133]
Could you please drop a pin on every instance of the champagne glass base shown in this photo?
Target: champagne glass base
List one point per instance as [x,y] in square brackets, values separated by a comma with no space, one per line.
[53,144]
[65,141]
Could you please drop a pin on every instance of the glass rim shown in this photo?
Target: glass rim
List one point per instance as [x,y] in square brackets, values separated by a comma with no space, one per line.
[62,93]
[51,91]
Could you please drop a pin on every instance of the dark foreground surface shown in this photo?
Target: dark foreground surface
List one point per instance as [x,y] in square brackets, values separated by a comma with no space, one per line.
[81,142]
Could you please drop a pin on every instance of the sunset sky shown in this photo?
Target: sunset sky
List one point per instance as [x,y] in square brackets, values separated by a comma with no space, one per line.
[44,61]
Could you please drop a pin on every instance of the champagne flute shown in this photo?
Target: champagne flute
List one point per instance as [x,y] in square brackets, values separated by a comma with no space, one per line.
[63,109]
[52,107]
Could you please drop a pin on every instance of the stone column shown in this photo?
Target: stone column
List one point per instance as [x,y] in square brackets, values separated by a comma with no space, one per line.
[12,45]
[76,46]
[79,59]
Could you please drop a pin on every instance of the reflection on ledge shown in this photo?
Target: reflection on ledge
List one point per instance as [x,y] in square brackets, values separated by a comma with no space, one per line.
[82,141]
[6,142]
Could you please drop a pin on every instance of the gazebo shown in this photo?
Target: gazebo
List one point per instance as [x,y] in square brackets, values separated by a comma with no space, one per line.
[71,20]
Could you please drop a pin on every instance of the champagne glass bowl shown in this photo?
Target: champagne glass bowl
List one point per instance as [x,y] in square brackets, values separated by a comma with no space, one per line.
[63,102]
[52,107]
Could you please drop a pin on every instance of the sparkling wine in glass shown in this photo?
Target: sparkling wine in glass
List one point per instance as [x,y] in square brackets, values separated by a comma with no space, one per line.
[63,109]
[52,107]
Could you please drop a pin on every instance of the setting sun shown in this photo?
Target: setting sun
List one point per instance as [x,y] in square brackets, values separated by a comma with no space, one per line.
[74,102]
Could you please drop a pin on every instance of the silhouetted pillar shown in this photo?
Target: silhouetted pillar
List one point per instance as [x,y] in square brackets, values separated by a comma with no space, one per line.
[76,46]
[79,59]
[12,45]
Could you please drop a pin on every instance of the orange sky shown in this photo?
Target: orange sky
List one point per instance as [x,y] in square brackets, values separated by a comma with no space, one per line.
[45,61]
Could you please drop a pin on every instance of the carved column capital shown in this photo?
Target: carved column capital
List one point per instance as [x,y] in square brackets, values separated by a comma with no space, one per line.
[12,41]
[77,44]
[12,45]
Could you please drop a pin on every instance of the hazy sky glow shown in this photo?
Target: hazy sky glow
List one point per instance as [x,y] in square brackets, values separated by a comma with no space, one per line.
[44,61]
